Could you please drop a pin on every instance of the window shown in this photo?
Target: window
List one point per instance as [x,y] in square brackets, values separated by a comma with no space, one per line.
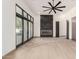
[18,10]
[25,14]
[28,17]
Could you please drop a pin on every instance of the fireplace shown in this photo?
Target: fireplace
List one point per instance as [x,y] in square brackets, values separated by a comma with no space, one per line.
[46,23]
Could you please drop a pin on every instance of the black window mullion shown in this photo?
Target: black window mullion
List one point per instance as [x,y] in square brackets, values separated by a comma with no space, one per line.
[33,28]
[27,29]
[22,28]
[28,19]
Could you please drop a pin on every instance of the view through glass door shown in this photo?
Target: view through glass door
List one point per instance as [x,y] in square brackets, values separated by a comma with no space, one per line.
[25,30]
[24,26]
[18,30]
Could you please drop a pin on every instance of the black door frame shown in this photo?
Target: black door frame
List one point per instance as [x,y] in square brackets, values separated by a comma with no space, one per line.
[28,20]
[57,28]
[67,34]
[22,33]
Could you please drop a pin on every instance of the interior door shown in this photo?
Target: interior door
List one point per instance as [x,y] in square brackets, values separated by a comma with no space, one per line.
[46,24]
[57,29]
[67,30]
[74,28]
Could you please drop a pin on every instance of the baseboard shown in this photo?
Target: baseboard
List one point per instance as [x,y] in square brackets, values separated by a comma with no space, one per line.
[24,42]
[8,53]
[14,49]
[39,36]
[62,36]
[36,37]
[74,40]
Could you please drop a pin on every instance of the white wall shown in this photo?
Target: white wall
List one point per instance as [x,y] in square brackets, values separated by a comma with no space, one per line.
[63,28]
[55,18]
[67,16]
[8,24]
[62,25]
[37,26]
[62,18]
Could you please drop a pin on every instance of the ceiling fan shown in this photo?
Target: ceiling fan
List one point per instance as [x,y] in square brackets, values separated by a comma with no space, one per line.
[54,8]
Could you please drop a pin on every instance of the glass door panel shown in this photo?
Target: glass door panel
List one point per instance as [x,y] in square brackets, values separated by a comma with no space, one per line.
[18,30]
[28,17]
[25,30]
[29,31]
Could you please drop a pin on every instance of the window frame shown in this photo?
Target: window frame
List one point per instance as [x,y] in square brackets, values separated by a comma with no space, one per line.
[23,17]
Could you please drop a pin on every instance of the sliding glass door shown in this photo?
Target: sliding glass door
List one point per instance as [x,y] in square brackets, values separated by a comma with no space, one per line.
[23,26]
[31,29]
[25,30]
[18,31]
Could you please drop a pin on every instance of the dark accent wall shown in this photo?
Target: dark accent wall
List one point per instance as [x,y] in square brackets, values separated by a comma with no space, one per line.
[46,25]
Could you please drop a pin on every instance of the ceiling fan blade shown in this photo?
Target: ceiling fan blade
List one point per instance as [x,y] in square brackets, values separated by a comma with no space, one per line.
[54,11]
[58,9]
[57,3]
[46,7]
[61,7]
[50,4]
[50,11]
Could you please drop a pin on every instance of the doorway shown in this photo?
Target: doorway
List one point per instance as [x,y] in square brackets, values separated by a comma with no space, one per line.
[57,28]
[74,28]
[67,35]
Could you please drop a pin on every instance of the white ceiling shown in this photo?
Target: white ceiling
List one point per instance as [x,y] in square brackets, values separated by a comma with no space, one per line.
[36,5]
